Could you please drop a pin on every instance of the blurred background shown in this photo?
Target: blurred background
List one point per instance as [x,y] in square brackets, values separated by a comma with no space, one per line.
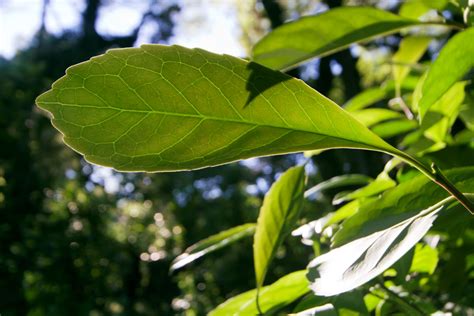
[77,239]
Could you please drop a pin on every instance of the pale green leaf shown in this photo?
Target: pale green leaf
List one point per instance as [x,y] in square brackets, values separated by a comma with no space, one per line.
[394,128]
[382,183]
[411,50]
[455,59]
[337,182]
[400,203]
[272,297]
[325,33]
[345,211]
[424,260]
[163,108]
[278,215]
[212,243]
[370,117]
[414,9]
[357,262]
[366,98]
[444,112]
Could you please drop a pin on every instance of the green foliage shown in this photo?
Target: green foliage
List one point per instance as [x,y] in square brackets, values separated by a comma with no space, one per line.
[169,108]
[325,33]
[218,110]
[453,62]
[279,213]
[211,244]
[272,297]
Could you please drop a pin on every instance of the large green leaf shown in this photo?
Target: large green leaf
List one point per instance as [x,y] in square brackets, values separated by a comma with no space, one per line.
[325,33]
[272,297]
[400,203]
[357,262]
[212,243]
[162,108]
[454,61]
[277,217]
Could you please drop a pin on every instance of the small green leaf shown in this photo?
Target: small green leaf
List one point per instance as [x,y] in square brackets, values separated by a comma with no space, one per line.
[339,181]
[400,203]
[212,243]
[272,297]
[413,9]
[411,50]
[278,215]
[382,183]
[425,259]
[454,61]
[394,128]
[370,117]
[323,34]
[357,262]
[165,108]
[343,212]
[366,98]
[444,112]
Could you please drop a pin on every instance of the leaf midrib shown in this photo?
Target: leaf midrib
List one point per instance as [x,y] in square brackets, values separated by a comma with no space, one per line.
[205,117]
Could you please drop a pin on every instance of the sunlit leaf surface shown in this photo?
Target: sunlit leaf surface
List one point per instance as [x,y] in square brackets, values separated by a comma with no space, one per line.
[349,266]
[400,203]
[453,62]
[213,243]
[272,297]
[277,217]
[162,108]
[325,33]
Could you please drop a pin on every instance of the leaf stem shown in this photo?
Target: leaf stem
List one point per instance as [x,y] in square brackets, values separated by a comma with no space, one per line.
[435,175]
[257,302]
[395,297]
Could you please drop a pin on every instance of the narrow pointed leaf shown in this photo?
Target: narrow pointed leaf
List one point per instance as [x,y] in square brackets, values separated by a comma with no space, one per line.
[381,184]
[272,297]
[411,50]
[357,262]
[337,182]
[370,117]
[277,217]
[212,243]
[400,203]
[164,108]
[325,33]
[453,62]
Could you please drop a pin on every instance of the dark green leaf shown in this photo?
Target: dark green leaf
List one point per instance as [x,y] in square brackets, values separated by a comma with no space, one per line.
[212,244]
[162,108]
[325,33]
